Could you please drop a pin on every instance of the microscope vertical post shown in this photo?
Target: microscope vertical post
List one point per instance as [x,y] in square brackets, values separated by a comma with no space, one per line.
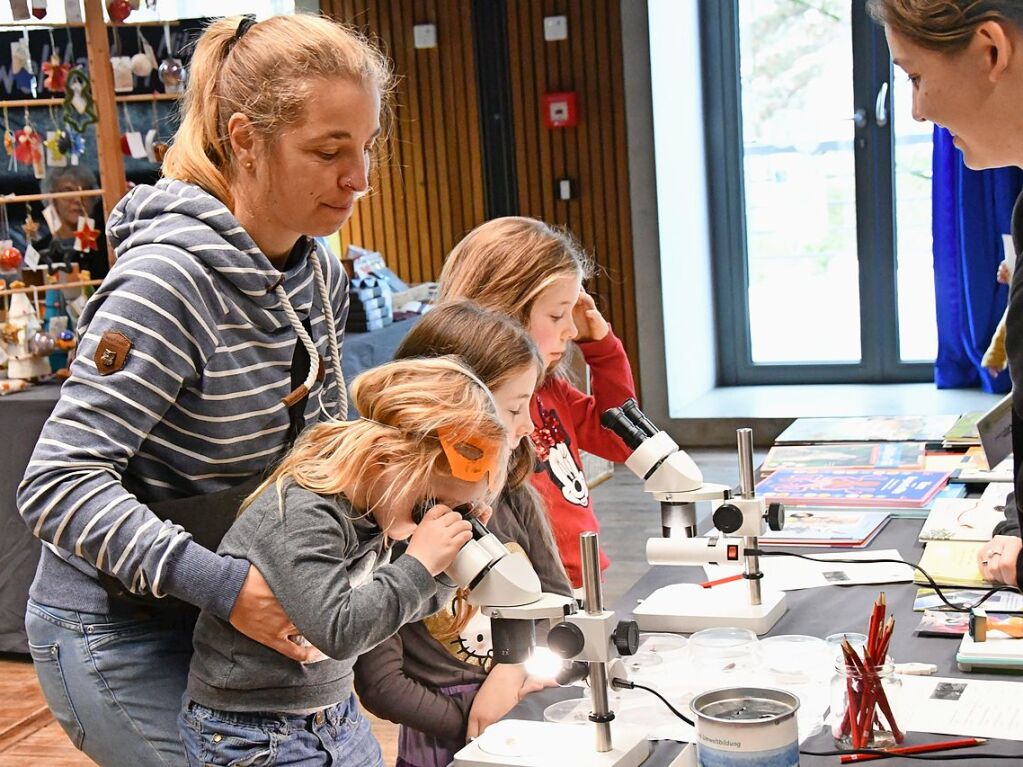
[751,565]
[590,552]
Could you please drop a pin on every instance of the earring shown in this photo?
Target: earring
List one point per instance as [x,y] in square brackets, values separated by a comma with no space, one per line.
[248,164]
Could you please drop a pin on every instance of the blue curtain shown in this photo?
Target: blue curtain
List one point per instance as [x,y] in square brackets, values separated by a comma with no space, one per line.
[971,212]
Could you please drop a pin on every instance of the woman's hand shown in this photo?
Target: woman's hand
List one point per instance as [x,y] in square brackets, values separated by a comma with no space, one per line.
[589,322]
[1003,276]
[259,616]
[997,559]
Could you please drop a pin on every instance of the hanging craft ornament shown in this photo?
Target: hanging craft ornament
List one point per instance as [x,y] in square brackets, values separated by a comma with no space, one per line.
[28,147]
[54,157]
[10,258]
[86,235]
[21,66]
[55,74]
[31,228]
[12,163]
[123,81]
[118,10]
[54,71]
[79,108]
[39,9]
[172,72]
[76,147]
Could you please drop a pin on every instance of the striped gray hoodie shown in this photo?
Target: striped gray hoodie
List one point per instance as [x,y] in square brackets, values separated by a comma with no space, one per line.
[196,408]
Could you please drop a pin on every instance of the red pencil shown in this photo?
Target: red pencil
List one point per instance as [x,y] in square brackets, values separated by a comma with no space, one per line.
[946,745]
[719,581]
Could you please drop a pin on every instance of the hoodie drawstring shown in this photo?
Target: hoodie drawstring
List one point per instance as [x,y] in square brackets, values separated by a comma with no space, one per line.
[332,343]
[333,349]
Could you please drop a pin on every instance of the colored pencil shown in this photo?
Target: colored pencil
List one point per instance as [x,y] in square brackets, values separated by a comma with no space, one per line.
[719,581]
[922,748]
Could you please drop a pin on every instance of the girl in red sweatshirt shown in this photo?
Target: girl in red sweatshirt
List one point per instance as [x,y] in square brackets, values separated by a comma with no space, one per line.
[534,273]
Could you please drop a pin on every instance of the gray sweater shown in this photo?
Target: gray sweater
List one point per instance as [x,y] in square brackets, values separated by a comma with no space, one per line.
[196,407]
[327,565]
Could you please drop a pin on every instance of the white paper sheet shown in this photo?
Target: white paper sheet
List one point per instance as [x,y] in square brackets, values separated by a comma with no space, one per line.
[975,708]
[792,574]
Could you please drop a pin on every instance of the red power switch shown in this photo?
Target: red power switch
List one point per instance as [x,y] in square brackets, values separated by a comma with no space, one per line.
[732,552]
[559,110]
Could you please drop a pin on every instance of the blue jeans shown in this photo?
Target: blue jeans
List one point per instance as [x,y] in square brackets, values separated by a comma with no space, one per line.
[114,682]
[338,735]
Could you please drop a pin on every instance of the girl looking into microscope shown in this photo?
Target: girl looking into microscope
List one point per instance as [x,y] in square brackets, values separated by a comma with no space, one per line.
[436,677]
[320,529]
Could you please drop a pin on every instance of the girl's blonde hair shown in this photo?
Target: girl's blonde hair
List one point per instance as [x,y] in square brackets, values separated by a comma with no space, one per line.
[404,406]
[492,345]
[943,25]
[495,347]
[507,262]
[264,75]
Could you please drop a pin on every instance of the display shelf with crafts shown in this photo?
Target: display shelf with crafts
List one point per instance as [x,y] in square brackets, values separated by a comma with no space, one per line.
[67,115]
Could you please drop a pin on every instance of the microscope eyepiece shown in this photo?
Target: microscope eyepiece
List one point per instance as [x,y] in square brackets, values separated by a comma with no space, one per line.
[616,420]
[638,418]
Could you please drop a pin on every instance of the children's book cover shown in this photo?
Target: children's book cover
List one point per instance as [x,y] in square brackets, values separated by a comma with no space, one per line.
[852,455]
[890,488]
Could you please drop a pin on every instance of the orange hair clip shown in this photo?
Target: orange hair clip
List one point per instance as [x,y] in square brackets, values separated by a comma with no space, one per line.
[470,458]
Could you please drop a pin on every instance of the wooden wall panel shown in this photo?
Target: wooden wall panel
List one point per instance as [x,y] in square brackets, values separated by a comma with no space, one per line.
[428,184]
[594,155]
[429,191]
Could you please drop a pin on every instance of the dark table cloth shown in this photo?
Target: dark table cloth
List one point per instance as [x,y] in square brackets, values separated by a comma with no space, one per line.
[820,612]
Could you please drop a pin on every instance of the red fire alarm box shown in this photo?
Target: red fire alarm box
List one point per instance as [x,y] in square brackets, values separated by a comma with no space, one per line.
[559,110]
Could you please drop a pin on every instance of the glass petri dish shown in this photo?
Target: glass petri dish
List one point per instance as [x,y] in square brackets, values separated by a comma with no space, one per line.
[723,649]
[661,643]
[797,659]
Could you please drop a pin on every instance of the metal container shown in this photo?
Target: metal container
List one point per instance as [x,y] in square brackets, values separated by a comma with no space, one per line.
[746,727]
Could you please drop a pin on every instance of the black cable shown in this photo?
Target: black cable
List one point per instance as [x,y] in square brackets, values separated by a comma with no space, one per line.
[930,581]
[623,684]
[626,685]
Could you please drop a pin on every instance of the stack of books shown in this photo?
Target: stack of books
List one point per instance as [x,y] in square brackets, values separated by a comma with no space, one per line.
[369,305]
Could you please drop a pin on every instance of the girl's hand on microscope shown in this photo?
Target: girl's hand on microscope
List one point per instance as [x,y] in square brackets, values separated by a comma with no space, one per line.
[438,538]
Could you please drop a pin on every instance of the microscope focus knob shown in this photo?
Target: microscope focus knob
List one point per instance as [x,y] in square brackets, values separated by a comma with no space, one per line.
[727,518]
[566,640]
[775,516]
[626,637]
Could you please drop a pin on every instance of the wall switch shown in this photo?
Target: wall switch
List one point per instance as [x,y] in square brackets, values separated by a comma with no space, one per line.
[565,189]
[555,28]
[425,35]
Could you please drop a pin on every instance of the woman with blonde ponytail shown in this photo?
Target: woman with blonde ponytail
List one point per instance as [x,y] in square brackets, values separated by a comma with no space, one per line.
[320,530]
[213,342]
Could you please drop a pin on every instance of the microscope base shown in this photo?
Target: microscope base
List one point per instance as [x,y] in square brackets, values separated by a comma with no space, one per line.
[545,744]
[687,607]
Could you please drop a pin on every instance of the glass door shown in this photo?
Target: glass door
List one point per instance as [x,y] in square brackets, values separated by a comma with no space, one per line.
[829,292]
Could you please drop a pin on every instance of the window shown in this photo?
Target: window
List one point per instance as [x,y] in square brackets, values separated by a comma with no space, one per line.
[814,281]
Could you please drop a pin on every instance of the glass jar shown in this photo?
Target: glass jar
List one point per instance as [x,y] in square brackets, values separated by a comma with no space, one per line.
[873,688]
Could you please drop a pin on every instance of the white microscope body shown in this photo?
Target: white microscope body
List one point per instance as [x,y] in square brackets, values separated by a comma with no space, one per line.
[673,478]
[507,590]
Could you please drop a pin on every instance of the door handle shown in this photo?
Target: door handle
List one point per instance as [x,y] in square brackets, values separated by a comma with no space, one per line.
[881,106]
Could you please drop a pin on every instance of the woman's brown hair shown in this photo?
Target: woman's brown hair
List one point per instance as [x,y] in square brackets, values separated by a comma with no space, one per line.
[943,25]
[263,74]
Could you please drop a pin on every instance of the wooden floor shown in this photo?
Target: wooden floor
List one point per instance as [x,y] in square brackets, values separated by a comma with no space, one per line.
[30,737]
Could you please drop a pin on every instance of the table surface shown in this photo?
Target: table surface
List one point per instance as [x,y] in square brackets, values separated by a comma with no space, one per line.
[820,612]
